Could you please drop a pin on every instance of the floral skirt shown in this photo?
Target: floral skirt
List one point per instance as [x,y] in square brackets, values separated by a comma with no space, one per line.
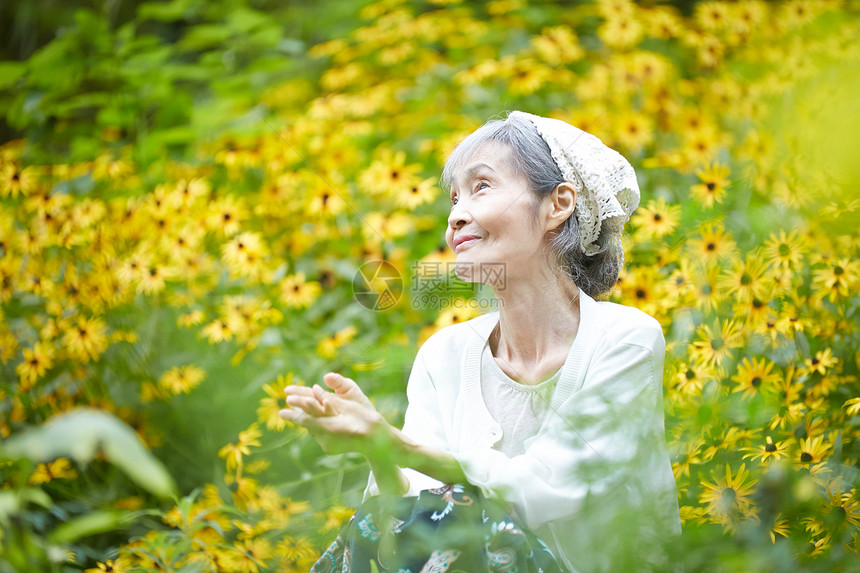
[450,528]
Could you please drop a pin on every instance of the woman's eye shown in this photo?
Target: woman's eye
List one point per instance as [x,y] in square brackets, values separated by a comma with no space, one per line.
[483,183]
[453,200]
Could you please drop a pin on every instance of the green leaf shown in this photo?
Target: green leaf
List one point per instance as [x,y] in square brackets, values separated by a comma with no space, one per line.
[11,501]
[10,72]
[802,344]
[80,434]
[89,524]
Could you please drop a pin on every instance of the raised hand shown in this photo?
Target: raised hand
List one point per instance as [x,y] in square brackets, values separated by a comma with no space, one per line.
[341,421]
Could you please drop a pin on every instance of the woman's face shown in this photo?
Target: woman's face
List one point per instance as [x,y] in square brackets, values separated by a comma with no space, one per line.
[492,204]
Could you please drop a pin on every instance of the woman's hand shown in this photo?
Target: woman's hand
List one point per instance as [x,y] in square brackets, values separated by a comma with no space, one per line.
[341,421]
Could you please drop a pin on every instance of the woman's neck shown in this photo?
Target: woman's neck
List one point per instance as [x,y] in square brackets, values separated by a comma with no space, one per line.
[538,321]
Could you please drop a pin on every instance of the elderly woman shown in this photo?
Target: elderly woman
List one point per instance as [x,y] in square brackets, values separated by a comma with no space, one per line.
[534,433]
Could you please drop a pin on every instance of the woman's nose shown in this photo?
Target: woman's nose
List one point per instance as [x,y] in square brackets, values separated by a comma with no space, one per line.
[458,217]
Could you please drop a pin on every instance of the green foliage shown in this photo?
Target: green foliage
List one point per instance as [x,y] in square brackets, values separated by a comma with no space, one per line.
[82,434]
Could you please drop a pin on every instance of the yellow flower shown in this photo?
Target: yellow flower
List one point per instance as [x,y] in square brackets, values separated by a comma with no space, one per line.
[620,31]
[712,14]
[852,406]
[389,175]
[767,451]
[226,215]
[744,280]
[838,279]
[269,407]
[327,347]
[110,566]
[845,505]
[557,46]
[15,180]
[785,250]
[812,450]
[217,331]
[729,499]
[417,194]
[781,526]
[192,318]
[297,293]
[713,344]
[656,220]
[60,468]
[712,186]
[639,288]
[244,255]
[86,340]
[821,362]
[715,243]
[754,376]
[233,453]
[153,276]
[37,361]
[182,379]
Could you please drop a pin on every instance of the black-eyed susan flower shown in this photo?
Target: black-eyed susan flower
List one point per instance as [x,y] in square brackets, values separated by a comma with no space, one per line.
[621,29]
[822,362]
[728,498]
[713,181]
[328,346]
[86,339]
[61,468]
[292,550]
[298,293]
[843,508]
[656,219]
[837,280]
[755,376]
[182,379]
[36,362]
[417,194]
[557,46]
[633,130]
[390,174]
[766,451]
[714,343]
[326,201]
[120,565]
[16,180]
[226,215]
[785,249]
[781,526]
[713,243]
[267,412]
[233,453]
[811,450]
[744,280]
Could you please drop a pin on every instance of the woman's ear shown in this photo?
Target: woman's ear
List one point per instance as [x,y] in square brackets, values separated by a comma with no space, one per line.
[562,202]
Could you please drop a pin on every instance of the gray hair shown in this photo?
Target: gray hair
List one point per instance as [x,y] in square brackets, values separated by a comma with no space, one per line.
[530,154]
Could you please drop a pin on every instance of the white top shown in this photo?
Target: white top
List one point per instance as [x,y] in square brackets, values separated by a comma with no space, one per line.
[518,408]
[596,479]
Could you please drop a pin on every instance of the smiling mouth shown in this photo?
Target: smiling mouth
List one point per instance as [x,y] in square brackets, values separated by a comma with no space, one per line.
[464,244]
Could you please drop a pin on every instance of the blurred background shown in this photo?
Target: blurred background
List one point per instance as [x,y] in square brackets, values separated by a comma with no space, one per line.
[202,202]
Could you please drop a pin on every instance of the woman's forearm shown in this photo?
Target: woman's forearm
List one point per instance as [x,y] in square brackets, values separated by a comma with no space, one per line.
[389,477]
[429,461]
[391,449]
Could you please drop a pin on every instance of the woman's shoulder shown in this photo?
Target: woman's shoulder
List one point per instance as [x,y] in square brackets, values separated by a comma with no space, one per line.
[619,323]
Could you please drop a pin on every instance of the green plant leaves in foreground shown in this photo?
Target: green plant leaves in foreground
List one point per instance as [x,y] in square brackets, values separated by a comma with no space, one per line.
[80,434]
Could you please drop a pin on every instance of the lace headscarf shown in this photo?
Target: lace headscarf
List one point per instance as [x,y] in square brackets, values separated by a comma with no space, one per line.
[606,188]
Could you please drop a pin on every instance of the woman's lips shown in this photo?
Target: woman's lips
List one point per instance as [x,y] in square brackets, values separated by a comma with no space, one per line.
[464,244]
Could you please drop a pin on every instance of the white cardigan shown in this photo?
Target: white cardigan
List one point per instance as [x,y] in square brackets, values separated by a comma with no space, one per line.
[595,483]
